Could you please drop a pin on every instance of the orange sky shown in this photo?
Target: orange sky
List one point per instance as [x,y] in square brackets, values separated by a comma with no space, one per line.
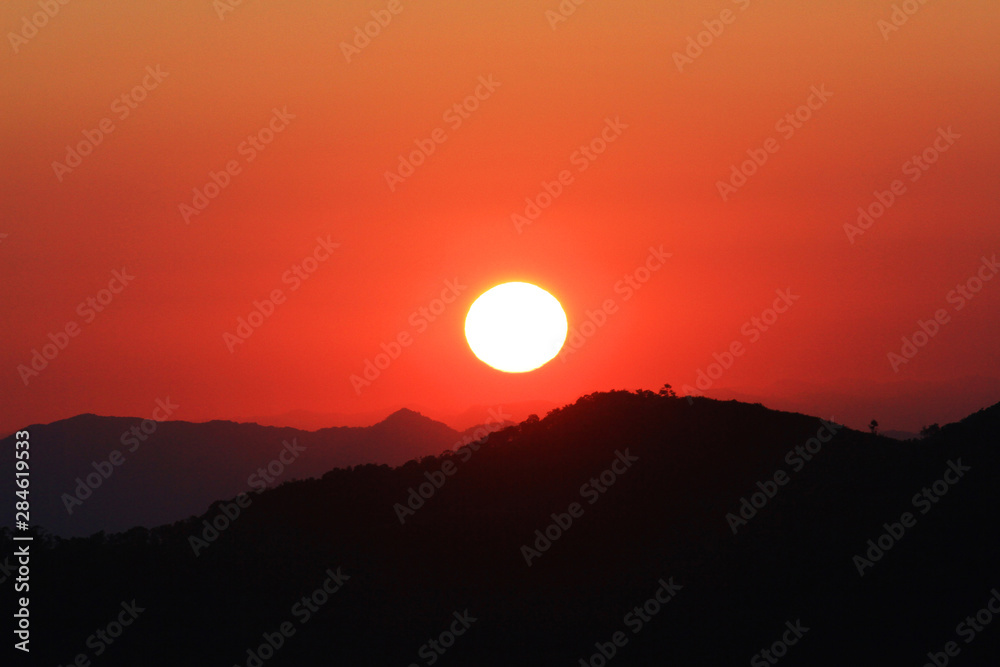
[201,85]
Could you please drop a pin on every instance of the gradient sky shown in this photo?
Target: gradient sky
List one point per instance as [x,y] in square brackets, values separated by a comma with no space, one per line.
[556,89]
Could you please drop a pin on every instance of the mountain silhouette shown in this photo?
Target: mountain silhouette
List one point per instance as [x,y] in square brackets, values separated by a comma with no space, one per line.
[308,420]
[178,468]
[628,528]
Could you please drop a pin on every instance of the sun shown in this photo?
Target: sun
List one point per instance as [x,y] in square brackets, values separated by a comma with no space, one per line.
[516,327]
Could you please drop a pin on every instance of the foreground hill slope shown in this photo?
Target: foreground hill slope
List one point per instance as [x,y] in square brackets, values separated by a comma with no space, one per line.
[654,487]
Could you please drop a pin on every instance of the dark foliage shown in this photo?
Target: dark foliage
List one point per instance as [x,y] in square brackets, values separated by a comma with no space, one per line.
[663,517]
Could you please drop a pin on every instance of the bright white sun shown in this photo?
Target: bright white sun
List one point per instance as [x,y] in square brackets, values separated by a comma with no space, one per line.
[516,327]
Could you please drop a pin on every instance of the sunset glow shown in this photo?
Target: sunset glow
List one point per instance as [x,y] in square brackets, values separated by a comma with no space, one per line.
[516,327]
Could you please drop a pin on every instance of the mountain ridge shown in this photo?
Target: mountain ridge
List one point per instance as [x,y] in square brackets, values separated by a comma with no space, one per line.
[487,537]
[163,471]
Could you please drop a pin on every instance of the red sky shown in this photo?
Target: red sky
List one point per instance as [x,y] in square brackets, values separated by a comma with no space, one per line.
[337,126]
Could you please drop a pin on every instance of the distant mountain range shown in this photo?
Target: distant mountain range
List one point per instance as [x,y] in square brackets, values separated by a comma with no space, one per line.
[308,420]
[903,406]
[629,528]
[80,485]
